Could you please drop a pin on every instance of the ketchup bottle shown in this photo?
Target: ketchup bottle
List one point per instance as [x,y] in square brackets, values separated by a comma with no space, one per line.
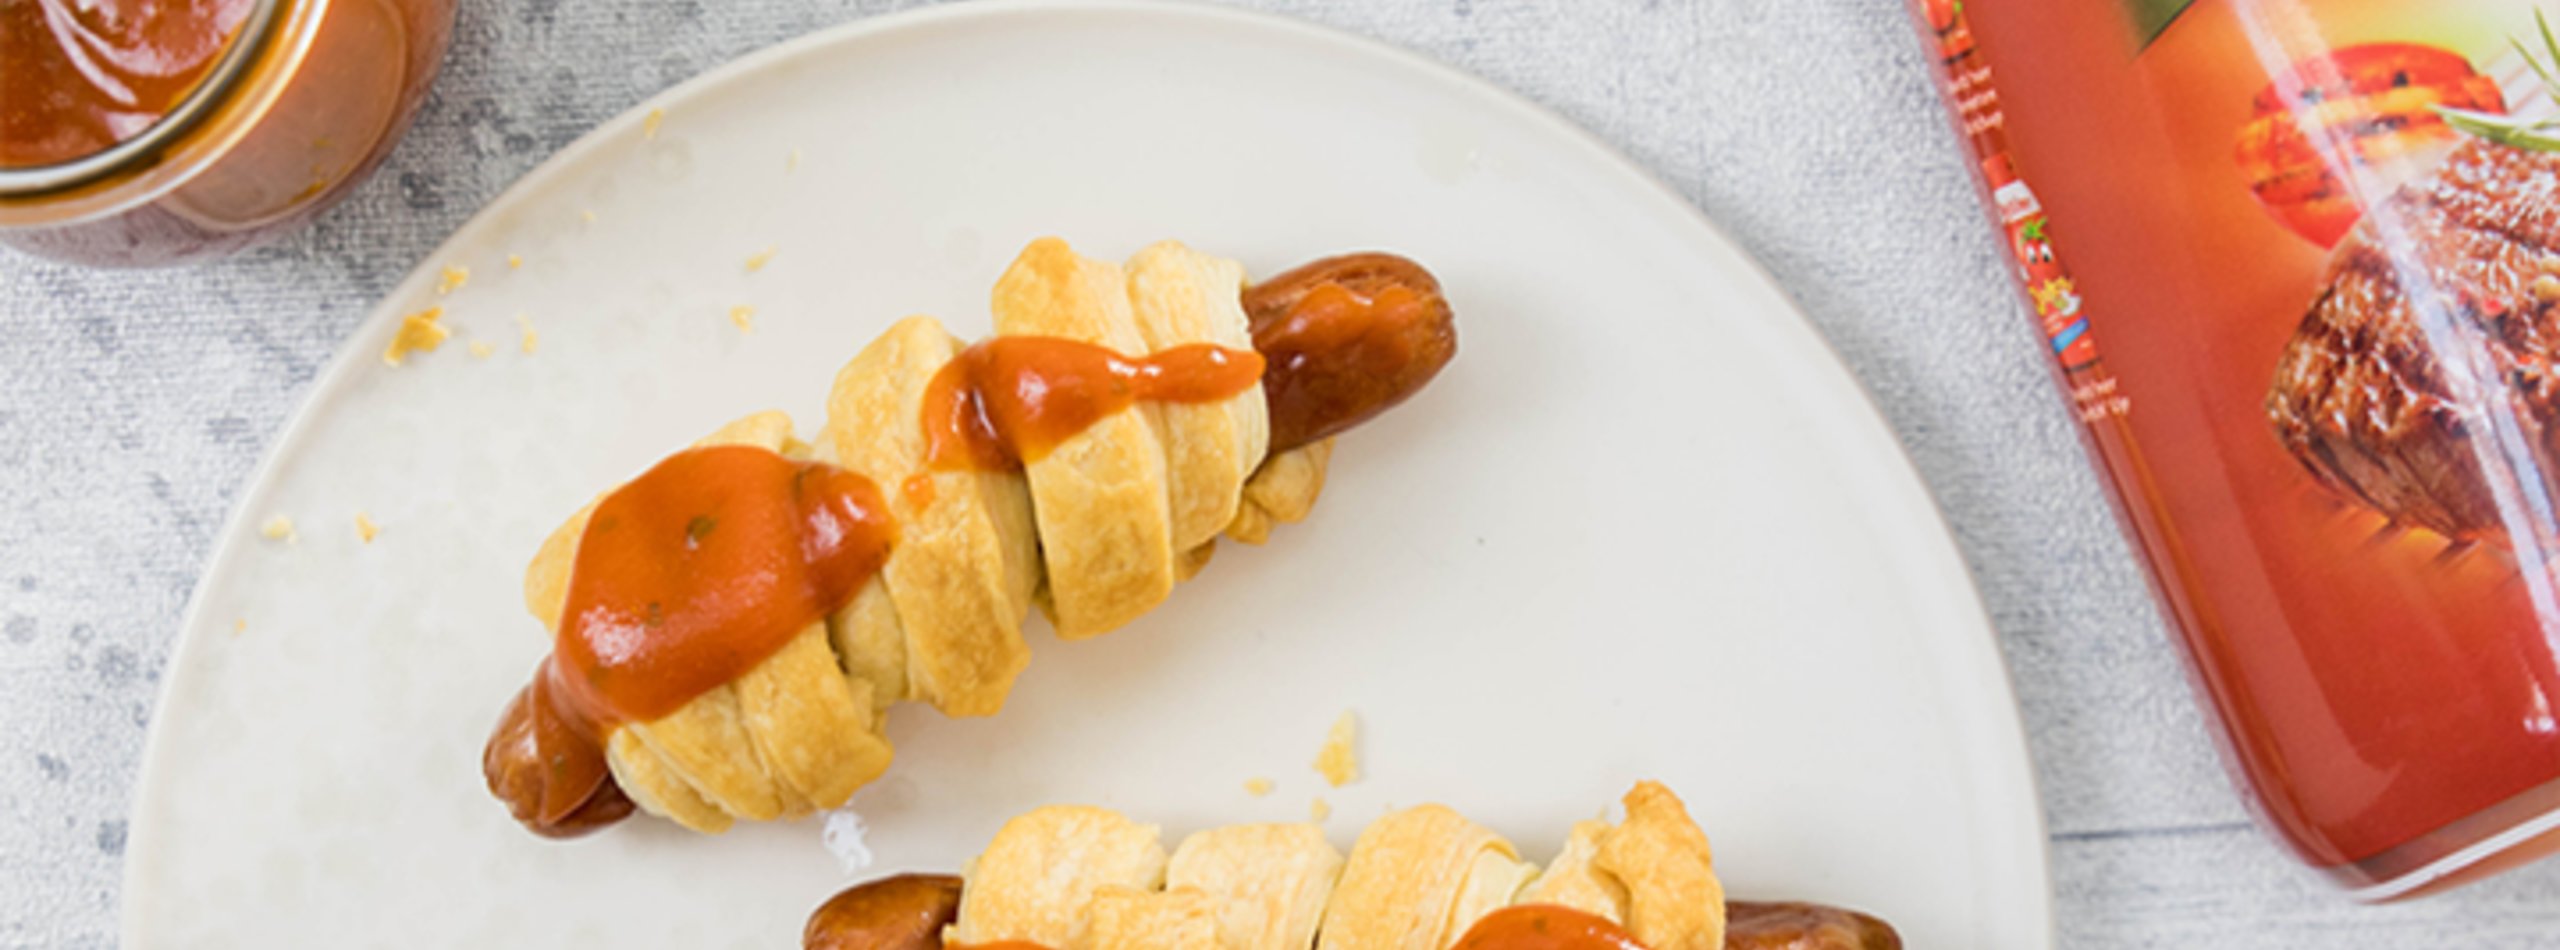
[2298,265]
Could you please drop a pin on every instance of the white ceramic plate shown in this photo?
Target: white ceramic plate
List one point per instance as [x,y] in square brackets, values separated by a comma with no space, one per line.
[1645,526]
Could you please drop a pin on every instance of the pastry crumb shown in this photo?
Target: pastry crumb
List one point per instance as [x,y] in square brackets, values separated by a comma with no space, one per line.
[757,260]
[452,279]
[238,625]
[587,215]
[515,262]
[1258,787]
[481,350]
[526,339]
[745,318]
[1318,809]
[649,125]
[420,332]
[278,528]
[792,164]
[365,528]
[1339,761]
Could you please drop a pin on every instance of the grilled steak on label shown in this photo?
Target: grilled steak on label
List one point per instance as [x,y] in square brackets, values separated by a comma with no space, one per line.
[2361,396]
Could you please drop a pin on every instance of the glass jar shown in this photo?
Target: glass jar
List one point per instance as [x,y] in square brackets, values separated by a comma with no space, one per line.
[302,104]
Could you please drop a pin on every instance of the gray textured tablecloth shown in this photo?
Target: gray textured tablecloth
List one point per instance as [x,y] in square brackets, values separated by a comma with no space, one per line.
[132,406]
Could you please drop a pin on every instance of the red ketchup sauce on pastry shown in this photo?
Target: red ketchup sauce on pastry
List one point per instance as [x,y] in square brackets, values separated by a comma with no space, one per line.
[1012,399]
[1545,927]
[685,579]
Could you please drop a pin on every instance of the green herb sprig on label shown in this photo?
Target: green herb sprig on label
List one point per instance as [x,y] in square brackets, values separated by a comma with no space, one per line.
[2541,135]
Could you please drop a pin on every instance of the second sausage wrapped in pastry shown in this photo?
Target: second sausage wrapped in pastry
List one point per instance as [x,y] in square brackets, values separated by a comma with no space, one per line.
[1077,877]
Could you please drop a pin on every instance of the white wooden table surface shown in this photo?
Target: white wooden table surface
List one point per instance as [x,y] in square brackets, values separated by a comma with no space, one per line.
[132,405]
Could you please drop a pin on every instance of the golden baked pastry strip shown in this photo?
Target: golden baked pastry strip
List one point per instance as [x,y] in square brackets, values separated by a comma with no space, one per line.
[1046,868]
[1180,296]
[1269,883]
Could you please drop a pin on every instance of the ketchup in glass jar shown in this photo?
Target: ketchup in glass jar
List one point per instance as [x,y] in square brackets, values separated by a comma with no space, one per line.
[146,132]
[81,77]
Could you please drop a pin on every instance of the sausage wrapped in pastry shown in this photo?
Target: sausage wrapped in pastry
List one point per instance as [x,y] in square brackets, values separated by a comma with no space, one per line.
[730,627]
[1081,878]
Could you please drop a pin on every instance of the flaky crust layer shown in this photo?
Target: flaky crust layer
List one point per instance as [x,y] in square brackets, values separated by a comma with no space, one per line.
[1180,296]
[1268,883]
[1045,868]
[1413,875]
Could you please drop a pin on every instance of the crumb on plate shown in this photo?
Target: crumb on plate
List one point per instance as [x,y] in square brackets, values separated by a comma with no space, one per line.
[278,528]
[481,350]
[587,215]
[845,836]
[1258,787]
[365,528]
[744,316]
[1339,760]
[452,279]
[525,337]
[649,125]
[239,624]
[792,164]
[420,332]
[1319,809]
[757,260]
[515,261]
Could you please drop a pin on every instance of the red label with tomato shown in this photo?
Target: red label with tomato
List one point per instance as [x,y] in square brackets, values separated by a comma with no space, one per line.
[2056,297]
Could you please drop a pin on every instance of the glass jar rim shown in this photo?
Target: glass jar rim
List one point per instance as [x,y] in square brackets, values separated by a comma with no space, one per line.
[203,100]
